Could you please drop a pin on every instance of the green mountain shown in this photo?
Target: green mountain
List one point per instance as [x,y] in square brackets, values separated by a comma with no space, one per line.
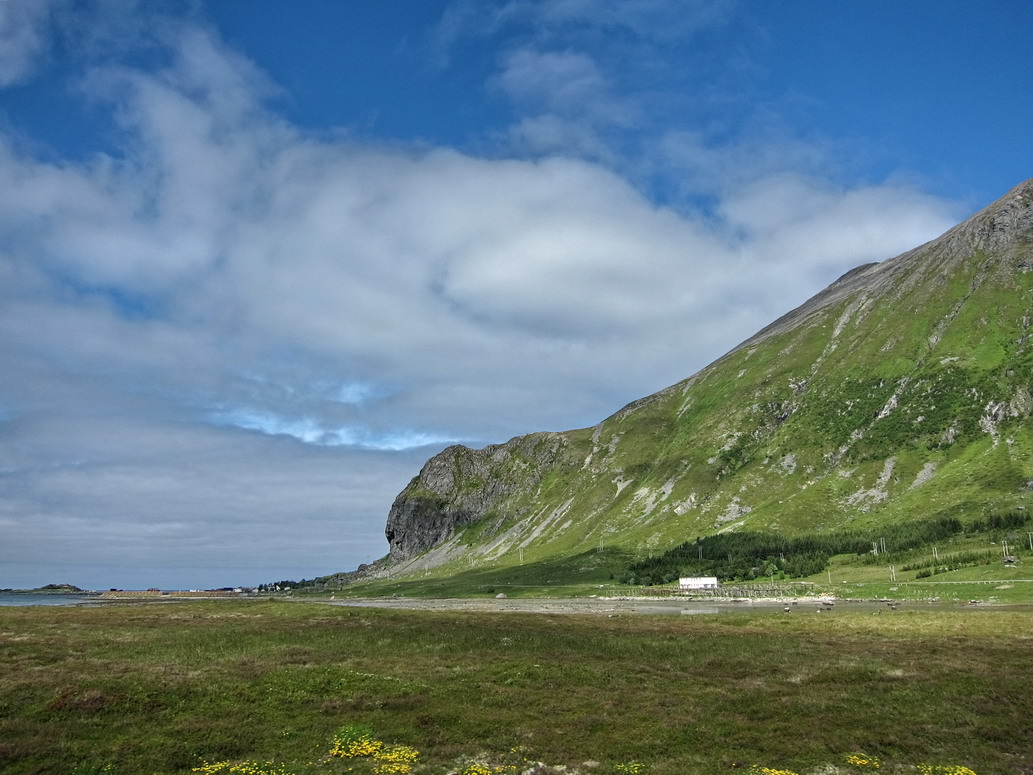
[903,391]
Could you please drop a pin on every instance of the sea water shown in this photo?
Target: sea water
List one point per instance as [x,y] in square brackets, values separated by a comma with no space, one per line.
[42,598]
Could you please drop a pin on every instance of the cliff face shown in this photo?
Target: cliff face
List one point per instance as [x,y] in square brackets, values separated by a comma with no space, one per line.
[460,486]
[902,390]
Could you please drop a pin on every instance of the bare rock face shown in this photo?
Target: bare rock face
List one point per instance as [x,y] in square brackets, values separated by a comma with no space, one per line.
[459,486]
[1004,226]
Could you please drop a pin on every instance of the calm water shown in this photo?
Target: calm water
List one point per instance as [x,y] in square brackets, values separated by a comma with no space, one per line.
[22,599]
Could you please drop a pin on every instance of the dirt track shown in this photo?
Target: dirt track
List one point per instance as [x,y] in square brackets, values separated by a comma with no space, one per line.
[587,605]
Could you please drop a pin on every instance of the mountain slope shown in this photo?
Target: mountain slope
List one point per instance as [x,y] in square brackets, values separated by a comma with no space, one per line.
[903,390]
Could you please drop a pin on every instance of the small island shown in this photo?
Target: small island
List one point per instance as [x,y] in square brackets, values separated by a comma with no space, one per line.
[47,589]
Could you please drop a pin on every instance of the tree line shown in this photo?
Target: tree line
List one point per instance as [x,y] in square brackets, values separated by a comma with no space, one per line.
[746,555]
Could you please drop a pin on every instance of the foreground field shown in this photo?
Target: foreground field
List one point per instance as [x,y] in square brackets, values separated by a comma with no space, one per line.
[161,688]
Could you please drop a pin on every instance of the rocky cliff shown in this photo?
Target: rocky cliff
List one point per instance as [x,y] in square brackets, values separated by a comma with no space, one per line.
[903,389]
[460,486]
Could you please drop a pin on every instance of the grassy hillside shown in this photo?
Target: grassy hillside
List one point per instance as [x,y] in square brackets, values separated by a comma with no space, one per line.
[903,392]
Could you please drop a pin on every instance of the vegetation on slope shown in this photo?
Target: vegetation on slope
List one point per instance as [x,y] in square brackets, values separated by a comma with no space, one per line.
[747,555]
[903,394]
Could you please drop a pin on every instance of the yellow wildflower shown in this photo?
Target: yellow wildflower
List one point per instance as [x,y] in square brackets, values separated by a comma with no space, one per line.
[863,760]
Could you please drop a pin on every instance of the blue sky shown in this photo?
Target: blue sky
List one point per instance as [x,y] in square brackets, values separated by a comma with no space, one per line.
[259,260]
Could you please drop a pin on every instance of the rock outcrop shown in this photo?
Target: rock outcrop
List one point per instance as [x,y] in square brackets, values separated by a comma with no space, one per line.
[459,486]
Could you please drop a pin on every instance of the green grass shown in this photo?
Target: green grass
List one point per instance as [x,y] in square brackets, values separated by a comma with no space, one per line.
[156,688]
[576,576]
[856,576]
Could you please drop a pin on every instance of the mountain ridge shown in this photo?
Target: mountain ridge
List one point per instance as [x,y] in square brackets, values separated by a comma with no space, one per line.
[897,374]
[983,230]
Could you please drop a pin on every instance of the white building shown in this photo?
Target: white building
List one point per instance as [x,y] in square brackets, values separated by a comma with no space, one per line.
[698,582]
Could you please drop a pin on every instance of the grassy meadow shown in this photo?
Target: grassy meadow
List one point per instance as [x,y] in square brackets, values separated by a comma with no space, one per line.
[273,686]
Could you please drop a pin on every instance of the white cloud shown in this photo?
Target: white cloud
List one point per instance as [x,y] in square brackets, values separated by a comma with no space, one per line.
[136,504]
[23,37]
[647,18]
[583,76]
[548,20]
[785,214]
[416,274]
[567,104]
[312,431]
[550,135]
[562,83]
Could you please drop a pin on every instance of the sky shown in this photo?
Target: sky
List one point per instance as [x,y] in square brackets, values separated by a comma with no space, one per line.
[260,259]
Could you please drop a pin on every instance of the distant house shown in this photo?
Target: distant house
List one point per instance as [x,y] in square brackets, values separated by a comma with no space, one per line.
[698,582]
